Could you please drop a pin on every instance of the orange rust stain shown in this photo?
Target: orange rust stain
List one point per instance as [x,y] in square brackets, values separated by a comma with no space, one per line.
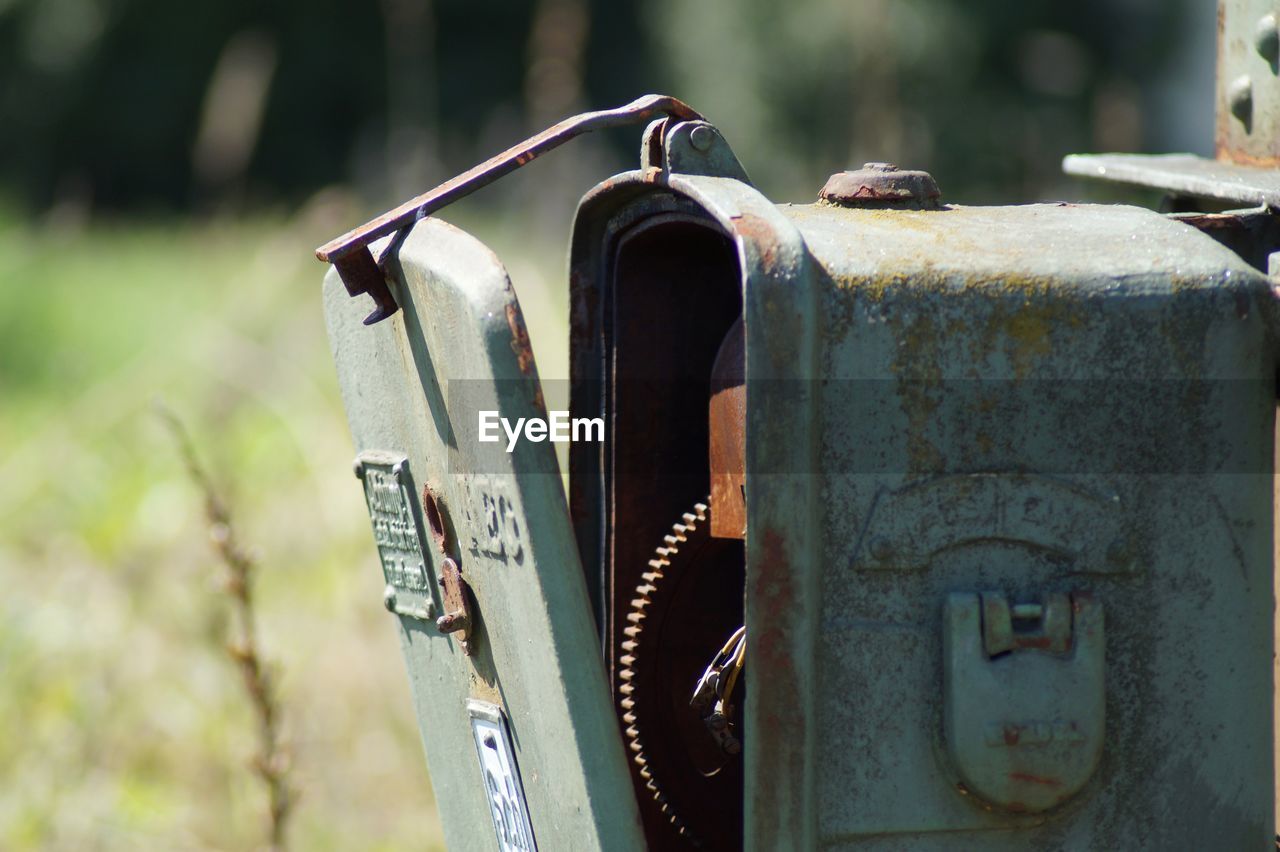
[780,733]
[520,340]
[758,231]
[1028,778]
[524,352]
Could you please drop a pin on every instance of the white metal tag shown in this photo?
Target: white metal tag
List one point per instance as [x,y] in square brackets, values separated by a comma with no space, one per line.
[501,778]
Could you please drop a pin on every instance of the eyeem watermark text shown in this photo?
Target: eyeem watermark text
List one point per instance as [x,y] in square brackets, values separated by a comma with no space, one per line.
[558,428]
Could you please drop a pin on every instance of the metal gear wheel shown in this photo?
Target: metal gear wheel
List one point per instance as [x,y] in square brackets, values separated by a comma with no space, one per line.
[686,604]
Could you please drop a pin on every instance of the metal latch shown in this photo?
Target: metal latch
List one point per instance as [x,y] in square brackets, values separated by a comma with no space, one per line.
[350,252]
[1024,693]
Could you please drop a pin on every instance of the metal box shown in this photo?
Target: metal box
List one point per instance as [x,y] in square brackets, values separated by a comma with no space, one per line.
[1007,574]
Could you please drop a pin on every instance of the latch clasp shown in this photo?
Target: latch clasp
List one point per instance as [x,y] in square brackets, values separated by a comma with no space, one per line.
[1024,694]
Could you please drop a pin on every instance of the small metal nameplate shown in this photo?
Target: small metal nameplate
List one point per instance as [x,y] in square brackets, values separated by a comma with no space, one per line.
[502,785]
[397,530]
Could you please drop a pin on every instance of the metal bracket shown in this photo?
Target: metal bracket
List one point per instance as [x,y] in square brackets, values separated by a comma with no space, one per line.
[1248,97]
[350,252]
[1183,175]
[697,148]
[1247,115]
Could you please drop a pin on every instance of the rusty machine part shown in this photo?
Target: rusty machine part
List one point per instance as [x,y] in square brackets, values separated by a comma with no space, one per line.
[714,694]
[457,606]
[455,593]
[728,439]
[883,185]
[684,750]
[929,570]
[676,291]
[350,252]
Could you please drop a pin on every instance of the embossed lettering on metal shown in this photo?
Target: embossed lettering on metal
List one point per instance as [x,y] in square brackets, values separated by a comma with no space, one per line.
[907,528]
[501,777]
[397,531]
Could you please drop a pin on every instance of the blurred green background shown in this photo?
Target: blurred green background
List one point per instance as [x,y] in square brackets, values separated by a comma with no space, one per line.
[166,170]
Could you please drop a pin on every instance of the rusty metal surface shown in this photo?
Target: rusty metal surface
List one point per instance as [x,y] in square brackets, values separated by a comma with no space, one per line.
[687,602]
[882,185]
[897,386]
[780,295]
[1254,234]
[1182,174]
[350,252]
[676,290]
[1248,92]
[728,450]
[1040,400]
[456,620]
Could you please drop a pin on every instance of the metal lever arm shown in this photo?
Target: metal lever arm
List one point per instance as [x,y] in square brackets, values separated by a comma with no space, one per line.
[350,253]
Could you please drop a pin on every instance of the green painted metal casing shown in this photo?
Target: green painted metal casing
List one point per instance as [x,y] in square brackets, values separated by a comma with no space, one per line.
[411,386]
[1009,538]
[1028,403]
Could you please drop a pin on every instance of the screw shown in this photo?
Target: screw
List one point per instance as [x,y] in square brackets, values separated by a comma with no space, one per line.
[1240,99]
[389,598]
[701,137]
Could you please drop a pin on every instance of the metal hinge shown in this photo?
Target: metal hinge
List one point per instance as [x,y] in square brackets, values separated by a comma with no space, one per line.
[350,252]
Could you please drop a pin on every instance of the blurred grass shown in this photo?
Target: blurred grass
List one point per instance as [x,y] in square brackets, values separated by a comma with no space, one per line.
[122,725]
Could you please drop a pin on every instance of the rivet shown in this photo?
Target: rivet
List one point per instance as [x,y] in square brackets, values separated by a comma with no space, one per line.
[1240,99]
[1266,39]
[881,549]
[389,598]
[702,137]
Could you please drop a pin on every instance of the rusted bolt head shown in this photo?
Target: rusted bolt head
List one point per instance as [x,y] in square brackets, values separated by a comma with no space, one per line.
[883,185]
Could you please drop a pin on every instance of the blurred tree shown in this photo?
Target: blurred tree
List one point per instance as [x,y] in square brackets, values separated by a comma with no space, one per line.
[987,96]
[141,103]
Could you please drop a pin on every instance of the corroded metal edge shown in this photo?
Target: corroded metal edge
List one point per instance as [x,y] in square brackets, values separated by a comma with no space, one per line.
[1182,174]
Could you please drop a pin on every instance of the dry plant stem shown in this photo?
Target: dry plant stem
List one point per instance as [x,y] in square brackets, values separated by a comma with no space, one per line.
[271,763]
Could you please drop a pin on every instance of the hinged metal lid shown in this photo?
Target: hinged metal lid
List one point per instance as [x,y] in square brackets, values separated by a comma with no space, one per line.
[517,633]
